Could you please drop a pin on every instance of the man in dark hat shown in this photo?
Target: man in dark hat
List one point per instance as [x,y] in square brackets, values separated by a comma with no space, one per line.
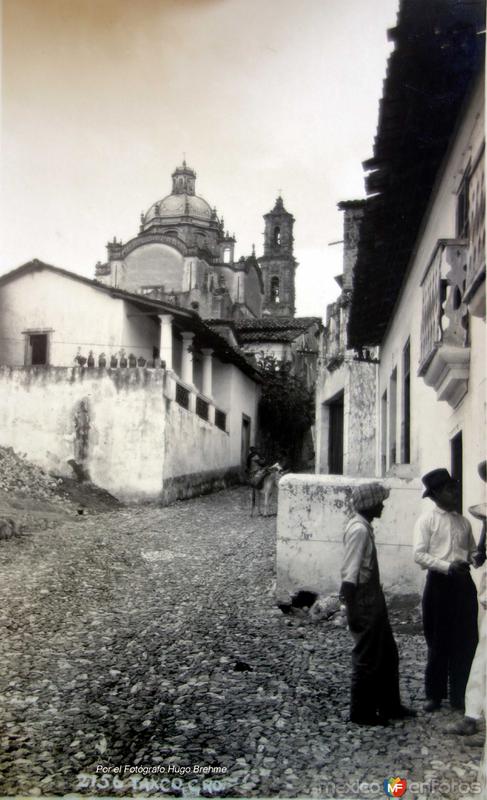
[444,545]
[375,694]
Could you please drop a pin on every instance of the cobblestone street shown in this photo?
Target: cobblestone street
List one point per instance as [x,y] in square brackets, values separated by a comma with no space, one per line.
[120,637]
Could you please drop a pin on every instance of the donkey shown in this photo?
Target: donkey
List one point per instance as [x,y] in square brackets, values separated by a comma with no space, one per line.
[265,490]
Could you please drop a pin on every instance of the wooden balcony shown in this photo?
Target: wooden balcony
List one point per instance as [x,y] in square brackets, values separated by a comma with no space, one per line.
[445,354]
[474,295]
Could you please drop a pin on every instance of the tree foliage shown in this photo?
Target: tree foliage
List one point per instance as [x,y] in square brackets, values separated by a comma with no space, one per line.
[286,410]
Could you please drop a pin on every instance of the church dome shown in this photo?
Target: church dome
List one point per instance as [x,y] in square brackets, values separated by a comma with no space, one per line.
[182,202]
[179,205]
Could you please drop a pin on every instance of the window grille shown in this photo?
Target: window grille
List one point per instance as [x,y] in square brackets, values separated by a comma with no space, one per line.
[202,408]
[182,396]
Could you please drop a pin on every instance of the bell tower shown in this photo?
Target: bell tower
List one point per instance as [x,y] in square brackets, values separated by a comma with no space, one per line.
[278,264]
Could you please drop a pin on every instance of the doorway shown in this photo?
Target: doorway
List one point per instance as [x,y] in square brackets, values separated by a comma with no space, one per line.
[244,442]
[456,463]
[335,436]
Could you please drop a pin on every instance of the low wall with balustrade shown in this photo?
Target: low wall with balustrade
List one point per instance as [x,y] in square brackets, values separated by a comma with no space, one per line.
[139,433]
[197,448]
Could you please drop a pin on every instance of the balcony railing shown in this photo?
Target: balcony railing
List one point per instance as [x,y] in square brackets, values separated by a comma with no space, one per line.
[182,396]
[476,223]
[444,359]
[444,315]
[202,407]
[188,397]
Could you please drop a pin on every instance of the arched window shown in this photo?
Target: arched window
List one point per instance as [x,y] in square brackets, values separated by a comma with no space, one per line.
[277,236]
[226,255]
[275,289]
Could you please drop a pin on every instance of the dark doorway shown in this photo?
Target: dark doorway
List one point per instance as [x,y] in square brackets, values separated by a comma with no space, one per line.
[456,451]
[335,436]
[245,441]
[406,405]
[38,343]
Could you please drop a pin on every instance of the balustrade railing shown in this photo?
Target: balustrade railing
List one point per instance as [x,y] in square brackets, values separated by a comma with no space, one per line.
[431,311]
[188,398]
[444,318]
[476,226]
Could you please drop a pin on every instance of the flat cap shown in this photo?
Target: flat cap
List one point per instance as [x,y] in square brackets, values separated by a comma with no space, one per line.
[368,495]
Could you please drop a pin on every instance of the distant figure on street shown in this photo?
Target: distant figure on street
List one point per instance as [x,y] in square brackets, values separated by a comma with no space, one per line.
[445,546]
[476,693]
[255,461]
[375,694]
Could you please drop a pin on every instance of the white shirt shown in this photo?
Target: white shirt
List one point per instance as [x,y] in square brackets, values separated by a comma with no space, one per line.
[441,537]
[358,543]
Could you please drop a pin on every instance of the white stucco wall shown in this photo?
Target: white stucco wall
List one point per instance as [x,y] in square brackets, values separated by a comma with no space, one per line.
[49,301]
[126,417]
[357,381]
[140,333]
[244,399]
[434,422]
[193,445]
[139,445]
[313,511]
[130,451]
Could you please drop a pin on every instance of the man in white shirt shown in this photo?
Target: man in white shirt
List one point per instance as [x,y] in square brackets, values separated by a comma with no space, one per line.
[444,545]
[476,695]
[374,697]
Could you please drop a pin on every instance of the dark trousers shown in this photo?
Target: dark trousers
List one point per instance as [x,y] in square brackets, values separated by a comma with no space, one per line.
[375,661]
[450,629]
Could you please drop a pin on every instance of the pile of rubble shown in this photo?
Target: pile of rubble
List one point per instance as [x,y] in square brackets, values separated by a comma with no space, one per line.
[19,476]
[31,499]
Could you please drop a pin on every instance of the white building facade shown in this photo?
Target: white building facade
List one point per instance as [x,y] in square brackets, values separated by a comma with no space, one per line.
[143,398]
[431,390]
[416,304]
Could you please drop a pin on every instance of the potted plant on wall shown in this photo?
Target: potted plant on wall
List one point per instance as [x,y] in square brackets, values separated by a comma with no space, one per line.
[91,360]
[141,362]
[123,358]
[79,359]
[113,362]
[132,360]
[102,361]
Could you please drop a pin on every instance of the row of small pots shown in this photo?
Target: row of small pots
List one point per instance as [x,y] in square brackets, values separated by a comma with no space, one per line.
[115,361]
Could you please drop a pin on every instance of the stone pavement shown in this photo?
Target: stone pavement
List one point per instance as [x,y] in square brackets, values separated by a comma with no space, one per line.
[121,634]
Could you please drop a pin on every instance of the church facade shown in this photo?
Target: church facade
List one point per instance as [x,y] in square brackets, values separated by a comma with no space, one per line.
[183,255]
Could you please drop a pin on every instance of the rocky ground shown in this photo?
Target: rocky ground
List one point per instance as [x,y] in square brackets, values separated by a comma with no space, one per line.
[33,500]
[148,639]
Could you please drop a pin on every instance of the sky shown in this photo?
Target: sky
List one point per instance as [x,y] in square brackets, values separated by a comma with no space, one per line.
[101,99]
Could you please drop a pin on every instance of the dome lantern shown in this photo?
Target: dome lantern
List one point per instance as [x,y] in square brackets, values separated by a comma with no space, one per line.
[183,180]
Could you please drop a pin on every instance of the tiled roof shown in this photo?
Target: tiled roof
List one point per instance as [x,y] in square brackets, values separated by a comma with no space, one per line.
[183,318]
[267,329]
[438,51]
[276,323]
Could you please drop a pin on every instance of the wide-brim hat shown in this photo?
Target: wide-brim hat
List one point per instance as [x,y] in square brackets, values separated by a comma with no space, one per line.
[437,479]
